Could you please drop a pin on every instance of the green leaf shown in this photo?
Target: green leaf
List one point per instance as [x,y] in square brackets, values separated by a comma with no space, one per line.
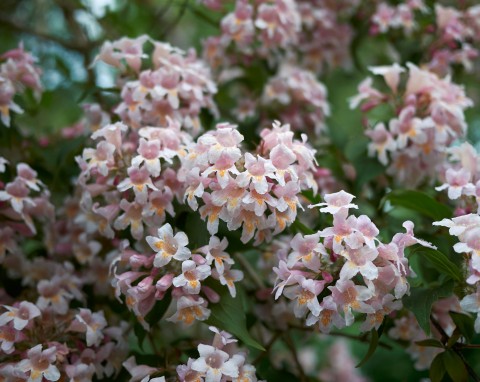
[439,261]
[418,201]
[229,315]
[437,368]
[302,228]
[465,324]
[430,342]
[371,348]
[421,299]
[455,366]
[159,309]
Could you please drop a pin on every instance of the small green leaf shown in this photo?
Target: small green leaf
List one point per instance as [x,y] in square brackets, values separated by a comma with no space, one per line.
[439,261]
[418,201]
[371,348]
[421,299]
[455,367]
[430,342]
[437,368]
[302,228]
[229,315]
[465,324]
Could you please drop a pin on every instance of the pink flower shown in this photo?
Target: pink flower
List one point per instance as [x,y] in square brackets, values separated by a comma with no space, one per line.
[457,183]
[168,246]
[21,315]
[214,363]
[351,297]
[51,293]
[189,310]
[139,180]
[308,250]
[16,193]
[256,171]
[215,253]
[90,323]
[100,158]
[191,276]
[382,142]
[150,154]
[133,217]
[335,202]
[305,296]
[391,74]
[39,364]
[359,261]
[228,277]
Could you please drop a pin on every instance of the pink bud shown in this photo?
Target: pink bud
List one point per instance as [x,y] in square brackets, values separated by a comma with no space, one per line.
[211,294]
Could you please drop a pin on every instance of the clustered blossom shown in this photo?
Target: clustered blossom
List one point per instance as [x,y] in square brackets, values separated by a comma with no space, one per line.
[350,268]
[22,200]
[450,39]
[401,16]
[256,192]
[173,270]
[301,98]
[220,361]
[18,72]
[177,86]
[462,182]
[129,180]
[53,345]
[429,117]
[308,32]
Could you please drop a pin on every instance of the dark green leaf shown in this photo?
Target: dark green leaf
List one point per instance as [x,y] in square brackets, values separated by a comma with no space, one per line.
[465,324]
[421,299]
[371,348]
[439,261]
[430,342]
[420,202]
[437,368]
[229,315]
[159,309]
[455,367]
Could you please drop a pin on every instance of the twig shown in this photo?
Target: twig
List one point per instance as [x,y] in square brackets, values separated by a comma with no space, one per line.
[291,346]
[470,370]
[268,346]
[251,272]
[172,25]
[72,45]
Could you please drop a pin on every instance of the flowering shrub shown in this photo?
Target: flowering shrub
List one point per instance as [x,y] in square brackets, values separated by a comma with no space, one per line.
[180,192]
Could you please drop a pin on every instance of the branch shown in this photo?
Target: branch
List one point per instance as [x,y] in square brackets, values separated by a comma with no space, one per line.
[71,45]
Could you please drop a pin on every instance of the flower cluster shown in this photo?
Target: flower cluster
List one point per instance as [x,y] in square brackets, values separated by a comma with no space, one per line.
[363,274]
[220,361]
[128,179]
[177,86]
[454,31]
[298,98]
[401,16]
[18,72]
[462,182]
[51,343]
[173,270]
[429,117]
[309,32]
[256,192]
[21,200]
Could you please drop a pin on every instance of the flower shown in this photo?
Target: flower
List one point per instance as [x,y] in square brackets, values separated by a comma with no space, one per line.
[21,315]
[191,276]
[39,364]
[168,246]
[336,202]
[214,363]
